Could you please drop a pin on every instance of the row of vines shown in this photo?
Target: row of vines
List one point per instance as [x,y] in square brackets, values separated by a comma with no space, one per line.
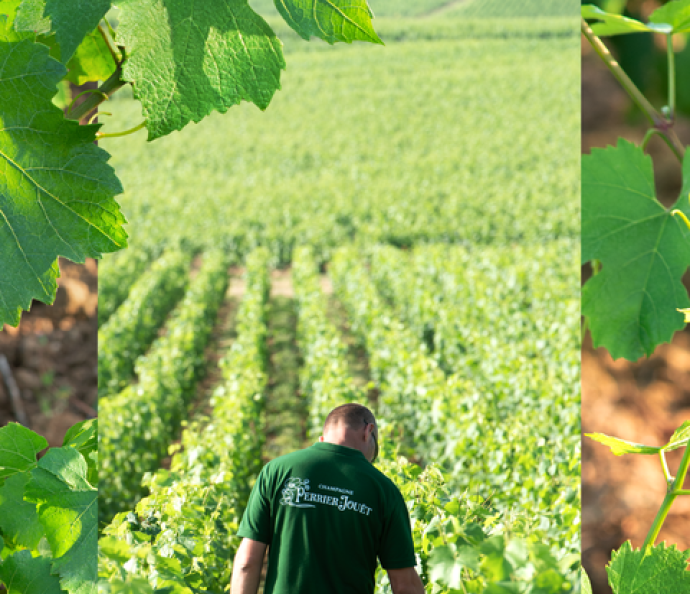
[469,416]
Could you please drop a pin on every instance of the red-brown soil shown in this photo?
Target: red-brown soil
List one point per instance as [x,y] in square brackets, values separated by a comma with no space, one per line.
[644,401]
[53,356]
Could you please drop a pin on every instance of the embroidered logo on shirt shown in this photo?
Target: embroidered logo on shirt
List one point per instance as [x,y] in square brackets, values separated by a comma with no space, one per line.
[296,493]
[293,491]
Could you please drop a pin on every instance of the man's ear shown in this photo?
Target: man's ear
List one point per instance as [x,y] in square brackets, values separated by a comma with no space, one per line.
[321,438]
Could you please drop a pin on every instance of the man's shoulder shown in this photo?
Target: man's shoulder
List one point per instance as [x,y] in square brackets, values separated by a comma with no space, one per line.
[287,460]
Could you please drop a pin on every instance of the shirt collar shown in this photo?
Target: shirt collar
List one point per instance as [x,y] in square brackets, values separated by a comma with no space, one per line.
[325,446]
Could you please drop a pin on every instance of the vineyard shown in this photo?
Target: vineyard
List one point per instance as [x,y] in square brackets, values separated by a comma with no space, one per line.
[403,146]
[393,231]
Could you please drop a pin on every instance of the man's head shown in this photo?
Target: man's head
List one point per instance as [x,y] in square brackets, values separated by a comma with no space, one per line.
[354,426]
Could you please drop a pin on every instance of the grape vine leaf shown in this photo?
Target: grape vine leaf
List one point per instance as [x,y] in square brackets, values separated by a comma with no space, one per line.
[680,437]
[611,23]
[70,20]
[189,58]
[673,17]
[115,549]
[68,509]
[23,574]
[92,61]
[29,17]
[443,567]
[620,446]
[654,570]
[675,14]
[631,304]
[83,437]
[585,584]
[18,518]
[331,20]
[19,447]
[132,585]
[56,188]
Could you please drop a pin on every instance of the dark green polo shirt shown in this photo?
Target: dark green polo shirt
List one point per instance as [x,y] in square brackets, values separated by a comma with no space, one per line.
[327,514]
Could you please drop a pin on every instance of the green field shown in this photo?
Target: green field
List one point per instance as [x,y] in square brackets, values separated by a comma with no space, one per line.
[421,141]
[513,8]
[400,228]
[380,8]
[469,8]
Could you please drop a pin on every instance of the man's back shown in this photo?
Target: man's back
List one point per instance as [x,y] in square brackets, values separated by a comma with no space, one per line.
[327,514]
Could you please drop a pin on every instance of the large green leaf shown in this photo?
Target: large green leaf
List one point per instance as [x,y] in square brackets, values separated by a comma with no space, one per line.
[610,23]
[70,20]
[23,574]
[68,509]
[654,570]
[18,518]
[18,449]
[673,17]
[631,304]
[187,59]
[331,20]
[56,188]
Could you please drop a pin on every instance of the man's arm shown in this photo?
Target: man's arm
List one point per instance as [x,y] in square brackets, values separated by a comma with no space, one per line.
[246,569]
[404,581]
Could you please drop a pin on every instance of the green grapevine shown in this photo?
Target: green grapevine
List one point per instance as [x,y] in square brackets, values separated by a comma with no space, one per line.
[139,423]
[639,252]
[48,511]
[183,534]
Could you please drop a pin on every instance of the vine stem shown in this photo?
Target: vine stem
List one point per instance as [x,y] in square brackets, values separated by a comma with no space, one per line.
[673,142]
[98,113]
[671,76]
[654,117]
[116,59]
[659,123]
[97,97]
[664,467]
[69,108]
[674,491]
[100,135]
[648,136]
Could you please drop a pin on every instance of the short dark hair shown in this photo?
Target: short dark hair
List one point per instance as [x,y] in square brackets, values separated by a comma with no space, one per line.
[353,415]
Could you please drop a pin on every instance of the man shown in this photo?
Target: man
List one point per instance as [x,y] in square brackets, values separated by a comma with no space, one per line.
[326,514]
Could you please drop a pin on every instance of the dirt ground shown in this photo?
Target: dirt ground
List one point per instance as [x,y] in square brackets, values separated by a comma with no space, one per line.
[53,357]
[644,401]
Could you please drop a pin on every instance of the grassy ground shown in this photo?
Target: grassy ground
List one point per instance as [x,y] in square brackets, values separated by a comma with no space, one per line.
[358,363]
[286,411]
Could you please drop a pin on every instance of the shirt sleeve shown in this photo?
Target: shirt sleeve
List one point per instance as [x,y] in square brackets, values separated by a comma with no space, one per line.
[397,546]
[256,521]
